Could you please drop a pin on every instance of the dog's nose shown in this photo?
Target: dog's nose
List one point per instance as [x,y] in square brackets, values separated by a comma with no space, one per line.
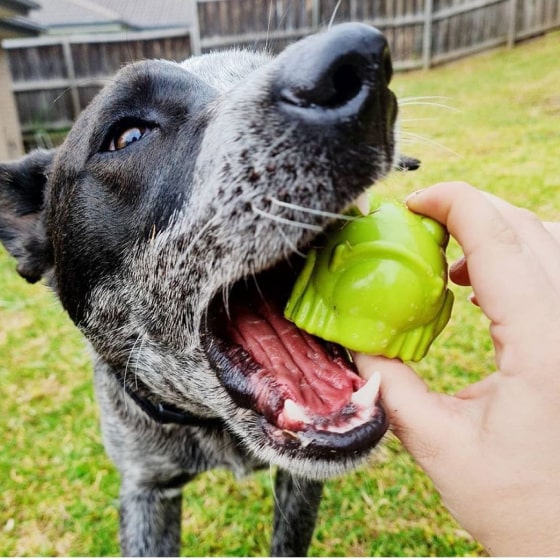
[334,72]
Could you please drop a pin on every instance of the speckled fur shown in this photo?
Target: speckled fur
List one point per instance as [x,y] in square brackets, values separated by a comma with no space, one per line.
[139,286]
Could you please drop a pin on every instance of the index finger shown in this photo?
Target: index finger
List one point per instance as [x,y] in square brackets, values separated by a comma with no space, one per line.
[503,270]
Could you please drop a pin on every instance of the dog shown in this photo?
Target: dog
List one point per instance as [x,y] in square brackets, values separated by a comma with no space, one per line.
[171,223]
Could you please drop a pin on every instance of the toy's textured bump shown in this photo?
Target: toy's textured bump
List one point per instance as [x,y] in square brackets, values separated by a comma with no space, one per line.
[378,285]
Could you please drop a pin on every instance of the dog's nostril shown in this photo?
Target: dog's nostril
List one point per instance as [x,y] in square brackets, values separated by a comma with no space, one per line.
[331,70]
[338,85]
[346,84]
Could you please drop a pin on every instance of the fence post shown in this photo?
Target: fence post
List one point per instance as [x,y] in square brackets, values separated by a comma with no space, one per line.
[71,75]
[315,15]
[427,37]
[512,30]
[195,28]
[353,10]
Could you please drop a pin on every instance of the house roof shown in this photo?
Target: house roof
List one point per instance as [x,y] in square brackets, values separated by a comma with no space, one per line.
[13,20]
[128,14]
[147,14]
[18,27]
[9,8]
[55,13]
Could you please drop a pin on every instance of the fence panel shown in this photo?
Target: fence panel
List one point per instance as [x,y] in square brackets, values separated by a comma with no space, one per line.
[420,32]
[223,18]
[55,78]
[535,16]
[34,63]
[466,27]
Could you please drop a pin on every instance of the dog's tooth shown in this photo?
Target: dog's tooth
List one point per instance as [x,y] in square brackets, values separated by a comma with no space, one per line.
[294,412]
[362,203]
[367,395]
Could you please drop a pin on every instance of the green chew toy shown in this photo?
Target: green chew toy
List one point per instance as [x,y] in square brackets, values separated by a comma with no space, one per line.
[379,284]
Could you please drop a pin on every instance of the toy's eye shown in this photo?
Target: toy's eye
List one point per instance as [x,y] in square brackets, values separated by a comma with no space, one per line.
[125,135]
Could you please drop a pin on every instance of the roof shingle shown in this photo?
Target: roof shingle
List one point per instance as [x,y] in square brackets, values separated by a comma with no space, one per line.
[132,14]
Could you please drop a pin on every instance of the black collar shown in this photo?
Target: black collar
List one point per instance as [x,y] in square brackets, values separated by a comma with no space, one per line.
[165,413]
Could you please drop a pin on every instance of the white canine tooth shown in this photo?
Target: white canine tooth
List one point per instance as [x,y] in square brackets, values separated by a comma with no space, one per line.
[296,413]
[362,203]
[367,395]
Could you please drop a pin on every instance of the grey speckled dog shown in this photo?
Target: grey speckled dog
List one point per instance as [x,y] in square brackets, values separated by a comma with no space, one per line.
[171,224]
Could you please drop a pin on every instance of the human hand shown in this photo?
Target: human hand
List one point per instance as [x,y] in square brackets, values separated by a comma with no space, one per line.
[493,450]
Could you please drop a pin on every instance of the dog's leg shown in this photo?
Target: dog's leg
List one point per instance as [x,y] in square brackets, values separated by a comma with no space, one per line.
[150,523]
[295,513]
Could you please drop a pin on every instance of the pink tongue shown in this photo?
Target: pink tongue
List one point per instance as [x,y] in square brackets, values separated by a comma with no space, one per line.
[294,364]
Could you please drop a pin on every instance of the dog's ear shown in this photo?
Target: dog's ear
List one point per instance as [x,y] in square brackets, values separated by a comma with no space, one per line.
[22,197]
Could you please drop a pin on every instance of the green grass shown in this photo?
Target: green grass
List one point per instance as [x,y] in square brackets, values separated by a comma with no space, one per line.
[58,488]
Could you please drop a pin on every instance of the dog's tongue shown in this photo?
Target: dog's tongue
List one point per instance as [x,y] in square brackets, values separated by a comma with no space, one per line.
[298,382]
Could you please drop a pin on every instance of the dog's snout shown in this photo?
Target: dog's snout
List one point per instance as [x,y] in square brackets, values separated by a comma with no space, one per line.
[335,70]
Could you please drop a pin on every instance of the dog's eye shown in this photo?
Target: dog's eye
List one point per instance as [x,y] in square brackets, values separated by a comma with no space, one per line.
[125,135]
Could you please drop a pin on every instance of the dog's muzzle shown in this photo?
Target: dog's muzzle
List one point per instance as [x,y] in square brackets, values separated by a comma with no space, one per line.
[308,398]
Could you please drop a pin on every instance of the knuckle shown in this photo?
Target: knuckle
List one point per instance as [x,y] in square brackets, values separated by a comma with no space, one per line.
[505,234]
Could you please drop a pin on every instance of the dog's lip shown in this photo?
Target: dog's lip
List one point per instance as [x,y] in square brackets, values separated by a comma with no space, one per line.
[320,411]
[328,445]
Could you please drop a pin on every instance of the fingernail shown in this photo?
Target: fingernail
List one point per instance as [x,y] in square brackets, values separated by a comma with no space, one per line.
[459,263]
[413,195]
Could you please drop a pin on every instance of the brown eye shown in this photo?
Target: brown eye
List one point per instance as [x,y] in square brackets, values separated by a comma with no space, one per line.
[128,136]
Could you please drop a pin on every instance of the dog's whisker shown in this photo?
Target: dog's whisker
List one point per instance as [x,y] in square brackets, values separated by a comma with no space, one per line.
[285,221]
[425,97]
[312,211]
[103,336]
[289,243]
[140,336]
[418,138]
[225,299]
[333,16]
[428,104]
[200,233]
[137,363]
[419,119]
[257,287]
[78,83]
[281,139]
[277,501]
[269,23]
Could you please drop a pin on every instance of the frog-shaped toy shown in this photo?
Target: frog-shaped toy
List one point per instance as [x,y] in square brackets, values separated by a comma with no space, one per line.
[379,283]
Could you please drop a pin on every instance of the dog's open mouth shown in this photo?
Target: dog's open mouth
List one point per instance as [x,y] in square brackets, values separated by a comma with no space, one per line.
[306,392]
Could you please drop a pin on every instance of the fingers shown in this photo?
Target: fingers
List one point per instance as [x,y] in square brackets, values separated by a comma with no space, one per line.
[504,268]
[419,418]
[542,238]
[543,243]
[554,229]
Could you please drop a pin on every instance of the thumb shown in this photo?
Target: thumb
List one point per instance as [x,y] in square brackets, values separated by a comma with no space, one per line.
[422,420]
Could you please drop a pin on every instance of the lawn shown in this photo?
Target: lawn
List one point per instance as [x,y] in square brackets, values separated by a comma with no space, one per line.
[492,120]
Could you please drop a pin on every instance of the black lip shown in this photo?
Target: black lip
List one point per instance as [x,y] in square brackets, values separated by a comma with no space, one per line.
[329,445]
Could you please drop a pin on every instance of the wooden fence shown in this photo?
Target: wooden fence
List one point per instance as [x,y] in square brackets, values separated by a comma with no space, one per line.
[55,77]
[420,32]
